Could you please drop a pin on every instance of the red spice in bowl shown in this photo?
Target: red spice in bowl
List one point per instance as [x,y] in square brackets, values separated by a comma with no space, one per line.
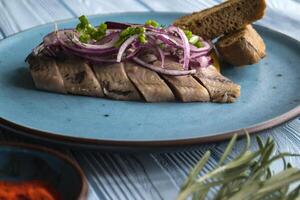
[29,190]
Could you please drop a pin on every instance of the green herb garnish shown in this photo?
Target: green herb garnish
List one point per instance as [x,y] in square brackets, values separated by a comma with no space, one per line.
[89,32]
[153,23]
[193,39]
[131,31]
[188,34]
[246,177]
[142,38]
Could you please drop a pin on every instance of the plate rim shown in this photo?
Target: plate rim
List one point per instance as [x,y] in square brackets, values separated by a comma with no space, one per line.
[77,141]
[88,142]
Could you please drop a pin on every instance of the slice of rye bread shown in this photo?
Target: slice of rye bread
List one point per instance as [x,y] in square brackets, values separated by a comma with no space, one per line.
[243,47]
[224,18]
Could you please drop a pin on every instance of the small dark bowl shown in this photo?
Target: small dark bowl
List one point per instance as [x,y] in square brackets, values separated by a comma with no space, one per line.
[23,162]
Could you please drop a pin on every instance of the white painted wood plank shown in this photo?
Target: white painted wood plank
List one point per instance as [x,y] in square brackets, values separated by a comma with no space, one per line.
[7,23]
[179,5]
[89,7]
[49,10]
[18,15]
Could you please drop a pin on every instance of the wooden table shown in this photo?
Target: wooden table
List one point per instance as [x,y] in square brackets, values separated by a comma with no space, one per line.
[149,175]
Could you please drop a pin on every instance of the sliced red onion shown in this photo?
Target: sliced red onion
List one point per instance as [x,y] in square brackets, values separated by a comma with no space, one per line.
[162,57]
[119,25]
[156,30]
[92,58]
[167,40]
[133,52]
[103,52]
[197,55]
[204,61]
[162,70]
[113,39]
[51,38]
[174,39]
[89,52]
[124,46]
[207,47]
[152,41]
[136,44]
[186,45]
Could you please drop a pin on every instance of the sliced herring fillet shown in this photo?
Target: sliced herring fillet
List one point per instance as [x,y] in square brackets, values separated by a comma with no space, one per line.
[115,83]
[149,83]
[185,88]
[46,75]
[79,78]
[221,89]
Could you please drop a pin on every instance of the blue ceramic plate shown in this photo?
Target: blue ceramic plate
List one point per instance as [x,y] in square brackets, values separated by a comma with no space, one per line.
[270,95]
[20,162]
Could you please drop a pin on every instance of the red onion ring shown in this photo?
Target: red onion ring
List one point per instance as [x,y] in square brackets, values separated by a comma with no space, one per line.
[124,46]
[113,39]
[186,45]
[175,41]
[164,71]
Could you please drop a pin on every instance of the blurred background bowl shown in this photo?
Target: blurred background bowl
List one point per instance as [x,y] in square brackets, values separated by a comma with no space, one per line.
[23,162]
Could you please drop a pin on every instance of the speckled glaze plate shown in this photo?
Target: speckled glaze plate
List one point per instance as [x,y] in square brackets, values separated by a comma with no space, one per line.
[270,96]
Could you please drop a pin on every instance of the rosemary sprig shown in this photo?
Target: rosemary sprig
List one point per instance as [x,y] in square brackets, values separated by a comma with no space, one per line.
[247,177]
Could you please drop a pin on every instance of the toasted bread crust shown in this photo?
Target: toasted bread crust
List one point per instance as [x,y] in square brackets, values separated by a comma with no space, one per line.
[243,47]
[224,18]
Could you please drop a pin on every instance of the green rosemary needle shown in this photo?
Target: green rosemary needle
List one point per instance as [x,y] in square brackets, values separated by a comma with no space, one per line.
[247,177]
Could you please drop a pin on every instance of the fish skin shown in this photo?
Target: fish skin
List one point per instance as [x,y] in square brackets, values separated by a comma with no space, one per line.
[149,83]
[115,82]
[130,82]
[220,88]
[185,88]
[45,74]
[79,78]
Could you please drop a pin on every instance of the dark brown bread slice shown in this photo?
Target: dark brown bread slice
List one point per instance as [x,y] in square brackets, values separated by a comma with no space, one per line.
[224,18]
[243,47]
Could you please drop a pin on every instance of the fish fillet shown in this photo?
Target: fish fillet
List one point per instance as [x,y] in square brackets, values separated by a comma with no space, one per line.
[148,82]
[46,75]
[185,88]
[115,83]
[220,88]
[79,78]
[128,81]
